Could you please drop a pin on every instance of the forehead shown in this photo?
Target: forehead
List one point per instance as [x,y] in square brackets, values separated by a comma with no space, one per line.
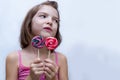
[48,9]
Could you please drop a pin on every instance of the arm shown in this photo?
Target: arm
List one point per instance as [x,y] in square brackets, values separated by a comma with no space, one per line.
[12,66]
[63,71]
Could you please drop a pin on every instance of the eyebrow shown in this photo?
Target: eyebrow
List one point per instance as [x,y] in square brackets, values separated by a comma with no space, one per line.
[47,14]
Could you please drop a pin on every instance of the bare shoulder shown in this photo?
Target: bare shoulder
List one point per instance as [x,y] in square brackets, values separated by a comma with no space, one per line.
[12,66]
[12,57]
[62,58]
[63,67]
[61,55]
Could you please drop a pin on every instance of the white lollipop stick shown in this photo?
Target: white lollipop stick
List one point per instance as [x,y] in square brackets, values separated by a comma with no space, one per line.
[38,53]
[49,53]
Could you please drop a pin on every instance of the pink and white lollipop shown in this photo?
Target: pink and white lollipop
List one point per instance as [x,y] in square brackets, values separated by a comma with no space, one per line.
[51,43]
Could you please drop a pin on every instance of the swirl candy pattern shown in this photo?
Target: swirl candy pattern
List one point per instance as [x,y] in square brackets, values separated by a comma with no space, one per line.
[38,42]
[51,43]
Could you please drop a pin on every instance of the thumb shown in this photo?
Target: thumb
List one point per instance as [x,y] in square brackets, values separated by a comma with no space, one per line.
[37,60]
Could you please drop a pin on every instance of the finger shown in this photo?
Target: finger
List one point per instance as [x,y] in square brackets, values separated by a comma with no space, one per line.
[38,69]
[38,65]
[49,71]
[37,61]
[39,72]
[54,67]
[48,75]
[50,61]
[50,66]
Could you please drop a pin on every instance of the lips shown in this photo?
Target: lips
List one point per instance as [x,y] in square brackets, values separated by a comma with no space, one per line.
[47,28]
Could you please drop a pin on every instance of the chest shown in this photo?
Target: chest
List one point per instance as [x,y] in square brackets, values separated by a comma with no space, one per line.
[26,60]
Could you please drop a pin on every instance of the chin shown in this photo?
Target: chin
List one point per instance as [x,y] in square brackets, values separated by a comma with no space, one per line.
[46,35]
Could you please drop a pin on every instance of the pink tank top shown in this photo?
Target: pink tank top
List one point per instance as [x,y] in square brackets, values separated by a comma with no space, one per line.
[24,71]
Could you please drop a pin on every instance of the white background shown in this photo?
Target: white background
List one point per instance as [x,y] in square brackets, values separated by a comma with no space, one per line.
[90,31]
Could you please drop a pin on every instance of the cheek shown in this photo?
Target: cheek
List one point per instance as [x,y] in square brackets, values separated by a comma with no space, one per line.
[36,28]
[55,30]
[35,31]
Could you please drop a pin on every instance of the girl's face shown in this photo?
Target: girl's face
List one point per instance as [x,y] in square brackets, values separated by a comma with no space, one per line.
[45,22]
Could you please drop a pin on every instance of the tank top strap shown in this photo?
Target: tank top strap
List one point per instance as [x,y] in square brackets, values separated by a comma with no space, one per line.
[56,58]
[19,57]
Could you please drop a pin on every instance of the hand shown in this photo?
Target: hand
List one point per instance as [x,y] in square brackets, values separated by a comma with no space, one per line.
[36,69]
[50,69]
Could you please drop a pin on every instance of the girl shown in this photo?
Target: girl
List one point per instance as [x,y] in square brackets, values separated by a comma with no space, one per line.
[42,19]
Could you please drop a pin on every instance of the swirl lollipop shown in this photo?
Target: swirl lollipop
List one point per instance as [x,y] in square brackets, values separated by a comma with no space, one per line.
[51,43]
[38,42]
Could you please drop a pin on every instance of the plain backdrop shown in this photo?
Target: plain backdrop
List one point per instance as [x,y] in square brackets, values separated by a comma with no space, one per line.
[90,30]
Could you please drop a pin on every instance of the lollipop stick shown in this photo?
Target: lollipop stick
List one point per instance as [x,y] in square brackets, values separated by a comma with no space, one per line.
[49,53]
[38,53]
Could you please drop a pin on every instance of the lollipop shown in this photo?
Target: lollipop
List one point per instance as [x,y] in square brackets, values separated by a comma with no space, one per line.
[51,43]
[38,42]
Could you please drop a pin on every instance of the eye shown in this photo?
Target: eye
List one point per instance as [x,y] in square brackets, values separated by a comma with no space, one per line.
[42,16]
[56,20]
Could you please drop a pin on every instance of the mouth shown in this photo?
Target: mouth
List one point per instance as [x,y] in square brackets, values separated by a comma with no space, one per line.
[47,29]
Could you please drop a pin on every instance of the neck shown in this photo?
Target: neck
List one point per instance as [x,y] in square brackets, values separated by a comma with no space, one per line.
[41,53]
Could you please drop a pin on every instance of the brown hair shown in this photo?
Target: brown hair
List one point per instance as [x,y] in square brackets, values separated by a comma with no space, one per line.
[26,32]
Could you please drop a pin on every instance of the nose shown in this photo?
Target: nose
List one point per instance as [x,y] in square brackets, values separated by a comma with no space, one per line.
[49,21]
